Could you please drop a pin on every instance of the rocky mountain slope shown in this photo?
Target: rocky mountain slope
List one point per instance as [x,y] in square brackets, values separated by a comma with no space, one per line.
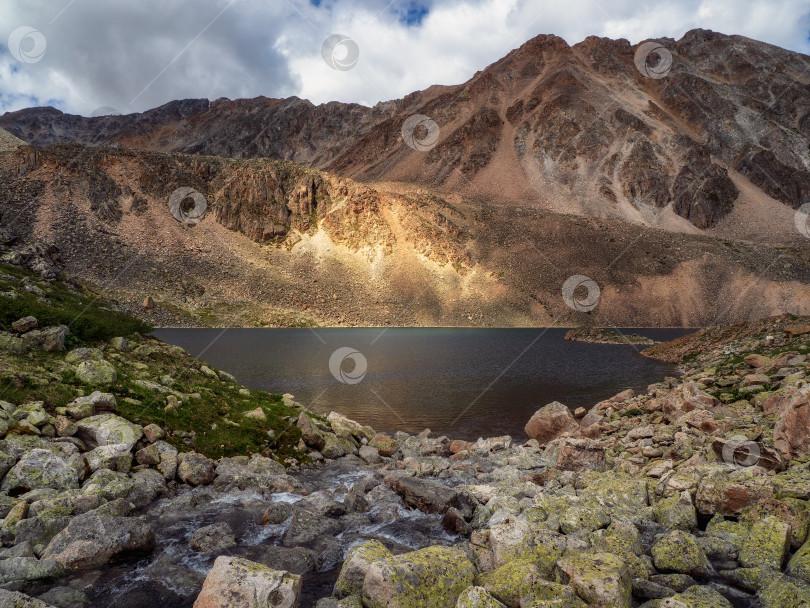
[281,244]
[718,140]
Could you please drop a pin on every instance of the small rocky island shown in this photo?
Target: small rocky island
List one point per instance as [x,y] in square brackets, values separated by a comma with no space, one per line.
[606,336]
[134,475]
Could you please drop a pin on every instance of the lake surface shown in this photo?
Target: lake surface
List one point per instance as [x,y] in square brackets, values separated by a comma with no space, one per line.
[463,383]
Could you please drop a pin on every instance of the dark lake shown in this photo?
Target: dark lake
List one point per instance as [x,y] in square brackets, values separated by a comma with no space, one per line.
[463,383]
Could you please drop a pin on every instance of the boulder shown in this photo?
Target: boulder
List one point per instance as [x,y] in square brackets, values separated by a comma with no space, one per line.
[48,338]
[676,512]
[213,538]
[791,434]
[96,372]
[147,485]
[427,496]
[580,455]
[115,457]
[92,540]
[683,399]
[25,324]
[551,421]
[195,469]
[311,435]
[234,581]
[679,552]
[385,445]
[600,579]
[14,599]
[697,596]
[434,576]
[767,544]
[153,433]
[799,564]
[356,565]
[168,459]
[108,429]
[477,597]
[24,569]
[39,468]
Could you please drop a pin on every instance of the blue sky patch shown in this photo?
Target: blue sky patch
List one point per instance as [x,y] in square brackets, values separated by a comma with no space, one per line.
[413,13]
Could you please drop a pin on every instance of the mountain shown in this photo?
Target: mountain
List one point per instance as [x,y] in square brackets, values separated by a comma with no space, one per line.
[719,144]
[283,244]
[673,186]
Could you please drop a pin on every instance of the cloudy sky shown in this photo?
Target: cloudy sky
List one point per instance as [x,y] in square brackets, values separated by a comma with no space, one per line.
[131,55]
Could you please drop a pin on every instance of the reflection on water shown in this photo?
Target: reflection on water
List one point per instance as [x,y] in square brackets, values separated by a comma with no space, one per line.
[464,383]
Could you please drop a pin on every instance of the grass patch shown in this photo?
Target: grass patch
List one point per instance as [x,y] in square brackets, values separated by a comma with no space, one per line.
[83,312]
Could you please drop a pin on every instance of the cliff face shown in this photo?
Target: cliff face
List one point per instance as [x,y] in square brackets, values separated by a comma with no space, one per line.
[718,141]
[281,244]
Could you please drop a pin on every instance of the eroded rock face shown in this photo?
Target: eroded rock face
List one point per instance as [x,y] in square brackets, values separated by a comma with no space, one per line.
[234,581]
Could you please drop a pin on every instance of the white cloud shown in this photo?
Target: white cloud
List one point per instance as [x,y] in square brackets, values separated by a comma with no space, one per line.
[137,55]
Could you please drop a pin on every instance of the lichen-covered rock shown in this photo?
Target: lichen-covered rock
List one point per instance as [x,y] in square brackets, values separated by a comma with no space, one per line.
[195,469]
[39,468]
[337,447]
[477,597]
[676,512]
[551,421]
[96,372]
[47,338]
[680,552]
[600,579]
[14,599]
[781,592]
[580,455]
[108,429]
[506,583]
[789,510]
[168,459]
[91,540]
[258,472]
[698,596]
[767,544]
[115,457]
[354,569]
[799,564]
[434,576]
[347,428]
[234,581]
[425,495]
[537,592]
[384,444]
[28,569]
[517,538]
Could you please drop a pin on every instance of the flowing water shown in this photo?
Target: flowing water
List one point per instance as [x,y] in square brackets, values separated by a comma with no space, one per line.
[464,383]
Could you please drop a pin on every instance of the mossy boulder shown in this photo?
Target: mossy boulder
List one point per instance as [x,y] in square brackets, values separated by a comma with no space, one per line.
[782,592]
[434,576]
[767,544]
[680,552]
[477,597]
[799,564]
[698,596]
[540,593]
[600,579]
[505,583]
[676,512]
[96,372]
[355,567]
[39,468]
[516,539]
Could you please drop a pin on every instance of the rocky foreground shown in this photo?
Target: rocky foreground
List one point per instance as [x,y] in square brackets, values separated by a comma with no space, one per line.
[691,495]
